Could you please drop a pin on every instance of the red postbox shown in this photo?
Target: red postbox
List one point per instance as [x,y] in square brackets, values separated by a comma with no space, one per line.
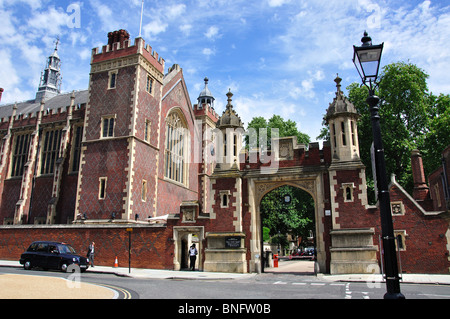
[275,260]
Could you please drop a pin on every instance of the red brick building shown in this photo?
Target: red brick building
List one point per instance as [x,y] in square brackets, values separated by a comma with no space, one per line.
[133,152]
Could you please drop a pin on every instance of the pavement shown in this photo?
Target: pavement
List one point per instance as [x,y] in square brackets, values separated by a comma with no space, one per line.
[15,288]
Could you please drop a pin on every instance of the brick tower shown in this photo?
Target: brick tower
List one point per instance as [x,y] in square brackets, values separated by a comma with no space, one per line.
[227,201]
[118,172]
[352,247]
[206,118]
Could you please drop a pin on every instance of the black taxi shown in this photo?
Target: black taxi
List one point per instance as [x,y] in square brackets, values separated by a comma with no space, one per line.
[53,255]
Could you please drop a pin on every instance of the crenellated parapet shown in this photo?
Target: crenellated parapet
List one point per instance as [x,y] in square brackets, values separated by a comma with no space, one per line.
[120,52]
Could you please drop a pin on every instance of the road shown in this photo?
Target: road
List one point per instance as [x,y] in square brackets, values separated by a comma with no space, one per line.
[299,283]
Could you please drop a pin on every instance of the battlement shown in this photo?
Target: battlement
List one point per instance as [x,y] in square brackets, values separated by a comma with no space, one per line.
[206,109]
[119,45]
[49,115]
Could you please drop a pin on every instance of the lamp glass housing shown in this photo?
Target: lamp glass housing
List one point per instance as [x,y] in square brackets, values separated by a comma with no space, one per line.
[367,61]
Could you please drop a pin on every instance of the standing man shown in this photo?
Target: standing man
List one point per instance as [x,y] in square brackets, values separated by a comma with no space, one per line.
[193,256]
[90,254]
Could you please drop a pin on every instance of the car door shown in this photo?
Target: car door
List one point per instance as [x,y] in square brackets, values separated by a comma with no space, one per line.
[53,257]
[41,255]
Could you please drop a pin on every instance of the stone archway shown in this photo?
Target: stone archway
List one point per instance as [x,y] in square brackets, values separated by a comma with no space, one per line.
[311,182]
[183,238]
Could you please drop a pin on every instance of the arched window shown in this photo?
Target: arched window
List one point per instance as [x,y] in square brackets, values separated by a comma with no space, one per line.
[177,137]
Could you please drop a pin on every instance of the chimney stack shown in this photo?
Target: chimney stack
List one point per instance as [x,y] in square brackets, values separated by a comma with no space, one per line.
[421,189]
[1,92]
[118,36]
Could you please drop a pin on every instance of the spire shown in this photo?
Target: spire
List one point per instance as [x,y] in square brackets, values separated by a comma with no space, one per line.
[340,105]
[229,96]
[205,96]
[229,117]
[338,83]
[50,82]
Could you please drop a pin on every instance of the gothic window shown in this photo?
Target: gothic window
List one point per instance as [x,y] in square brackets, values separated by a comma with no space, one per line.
[102,188]
[234,145]
[225,144]
[347,189]
[176,147]
[224,199]
[147,131]
[50,151]
[352,126]
[76,148]
[334,135]
[20,154]
[108,126]
[400,237]
[144,191]
[149,86]
[112,80]
[344,140]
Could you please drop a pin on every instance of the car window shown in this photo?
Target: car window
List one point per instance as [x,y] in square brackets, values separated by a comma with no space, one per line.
[42,247]
[66,249]
[32,247]
[53,248]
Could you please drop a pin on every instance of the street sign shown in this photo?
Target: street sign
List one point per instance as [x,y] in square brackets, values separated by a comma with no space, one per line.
[130,229]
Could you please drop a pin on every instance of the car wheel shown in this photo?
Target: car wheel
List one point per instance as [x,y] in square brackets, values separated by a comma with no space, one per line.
[64,267]
[27,265]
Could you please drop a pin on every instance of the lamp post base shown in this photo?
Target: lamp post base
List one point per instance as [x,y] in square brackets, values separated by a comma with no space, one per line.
[394,295]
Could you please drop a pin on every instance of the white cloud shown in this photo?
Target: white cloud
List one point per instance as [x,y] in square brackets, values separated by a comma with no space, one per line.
[34,4]
[51,21]
[212,33]
[186,29]
[175,11]
[208,52]
[154,28]
[84,54]
[105,14]
[277,3]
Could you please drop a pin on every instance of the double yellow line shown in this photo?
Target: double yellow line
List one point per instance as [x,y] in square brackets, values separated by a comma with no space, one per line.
[126,293]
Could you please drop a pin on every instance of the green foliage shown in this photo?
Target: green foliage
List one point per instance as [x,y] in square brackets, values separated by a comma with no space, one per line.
[410,118]
[266,234]
[296,218]
[285,128]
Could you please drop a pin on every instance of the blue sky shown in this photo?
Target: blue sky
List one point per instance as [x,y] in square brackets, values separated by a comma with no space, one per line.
[276,56]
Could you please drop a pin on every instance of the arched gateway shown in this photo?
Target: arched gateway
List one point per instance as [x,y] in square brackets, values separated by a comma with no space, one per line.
[334,176]
[311,182]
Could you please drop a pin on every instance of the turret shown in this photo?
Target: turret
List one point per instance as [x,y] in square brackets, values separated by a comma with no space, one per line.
[229,144]
[341,118]
[50,82]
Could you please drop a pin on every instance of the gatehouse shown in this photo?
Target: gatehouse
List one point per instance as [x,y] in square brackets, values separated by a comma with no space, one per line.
[132,152]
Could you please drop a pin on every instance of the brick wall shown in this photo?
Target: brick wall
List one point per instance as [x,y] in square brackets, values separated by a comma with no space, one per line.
[426,248]
[151,246]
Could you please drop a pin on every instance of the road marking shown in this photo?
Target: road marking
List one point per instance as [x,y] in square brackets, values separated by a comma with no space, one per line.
[299,283]
[348,293]
[126,293]
[317,284]
[280,283]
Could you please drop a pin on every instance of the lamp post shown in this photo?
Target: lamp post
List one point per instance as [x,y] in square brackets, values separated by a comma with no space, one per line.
[367,61]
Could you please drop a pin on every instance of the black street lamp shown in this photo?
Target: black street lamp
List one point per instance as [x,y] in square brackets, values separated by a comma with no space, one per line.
[367,61]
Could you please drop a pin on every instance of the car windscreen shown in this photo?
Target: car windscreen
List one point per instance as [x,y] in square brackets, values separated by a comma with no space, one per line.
[66,249]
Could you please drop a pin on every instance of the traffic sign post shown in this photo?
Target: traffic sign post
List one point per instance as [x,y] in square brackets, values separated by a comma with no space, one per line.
[129,231]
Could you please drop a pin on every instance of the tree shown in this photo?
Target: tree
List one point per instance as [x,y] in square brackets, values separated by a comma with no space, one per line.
[285,128]
[438,135]
[410,118]
[295,218]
